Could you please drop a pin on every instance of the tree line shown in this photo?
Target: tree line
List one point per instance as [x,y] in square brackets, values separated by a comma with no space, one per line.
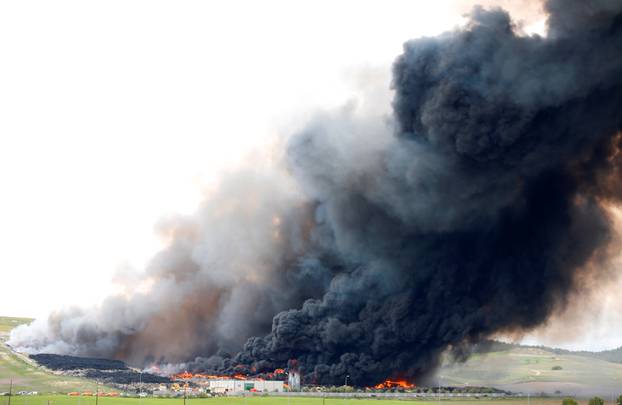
[592,401]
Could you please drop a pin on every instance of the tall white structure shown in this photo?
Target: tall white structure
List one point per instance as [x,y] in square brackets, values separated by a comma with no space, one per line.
[293,380]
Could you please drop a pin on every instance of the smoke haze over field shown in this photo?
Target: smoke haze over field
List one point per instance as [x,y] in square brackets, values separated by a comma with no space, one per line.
[479,206]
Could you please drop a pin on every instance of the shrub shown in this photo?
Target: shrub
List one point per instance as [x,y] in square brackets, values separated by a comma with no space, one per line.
[556,368]
[569,401]
[596,401]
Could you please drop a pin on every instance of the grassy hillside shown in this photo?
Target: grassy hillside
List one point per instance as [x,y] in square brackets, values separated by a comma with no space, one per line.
[613,355]
[25,374]
[528,369]
[7,323]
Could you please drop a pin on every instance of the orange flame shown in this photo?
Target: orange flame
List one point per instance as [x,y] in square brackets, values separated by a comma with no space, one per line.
[182,376]
[393,384]
[207,376]
[189,376]
[239,376]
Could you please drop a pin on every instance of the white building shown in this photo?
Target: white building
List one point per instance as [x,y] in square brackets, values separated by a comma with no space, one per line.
[232,386]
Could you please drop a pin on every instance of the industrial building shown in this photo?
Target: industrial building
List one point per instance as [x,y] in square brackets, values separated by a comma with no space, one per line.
[233,386]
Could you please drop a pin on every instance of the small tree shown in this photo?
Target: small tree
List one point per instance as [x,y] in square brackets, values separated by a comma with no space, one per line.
[596,401]
[619,401]
[569,401]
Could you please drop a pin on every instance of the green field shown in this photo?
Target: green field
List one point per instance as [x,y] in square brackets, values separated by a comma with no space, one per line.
[26,375]
[66,400]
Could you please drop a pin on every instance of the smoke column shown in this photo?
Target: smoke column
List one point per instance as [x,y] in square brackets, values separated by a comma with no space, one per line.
[478,207]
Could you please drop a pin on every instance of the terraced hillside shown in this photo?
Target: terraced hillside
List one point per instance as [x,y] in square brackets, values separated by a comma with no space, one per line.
[536,370]
[26,375]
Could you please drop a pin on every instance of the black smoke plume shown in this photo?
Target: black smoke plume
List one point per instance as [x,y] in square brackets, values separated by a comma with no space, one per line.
[482,214]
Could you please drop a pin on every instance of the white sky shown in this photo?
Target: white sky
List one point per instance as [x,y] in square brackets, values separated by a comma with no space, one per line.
[115,113]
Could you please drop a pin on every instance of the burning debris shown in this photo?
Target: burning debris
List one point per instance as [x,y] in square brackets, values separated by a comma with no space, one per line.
[481,207]
[199,376]
[388,384]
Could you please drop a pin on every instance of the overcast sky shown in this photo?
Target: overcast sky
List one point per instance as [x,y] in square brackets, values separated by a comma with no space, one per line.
[114,114]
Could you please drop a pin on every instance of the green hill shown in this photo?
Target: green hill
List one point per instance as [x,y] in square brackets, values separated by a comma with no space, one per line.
[613,355]
[8,323]
[536,370]
[26,375]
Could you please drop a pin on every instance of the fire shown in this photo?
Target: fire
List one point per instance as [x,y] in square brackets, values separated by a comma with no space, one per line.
[239,376]
[189,376]
[207,376]
[182,376]
[388,384]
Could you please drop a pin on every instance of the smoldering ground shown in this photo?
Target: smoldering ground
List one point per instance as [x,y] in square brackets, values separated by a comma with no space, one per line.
[475,208]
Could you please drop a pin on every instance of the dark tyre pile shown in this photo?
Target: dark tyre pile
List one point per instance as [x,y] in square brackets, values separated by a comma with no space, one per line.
[103,370]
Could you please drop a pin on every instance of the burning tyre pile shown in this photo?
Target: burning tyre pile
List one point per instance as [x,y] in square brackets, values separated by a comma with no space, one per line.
[103,370]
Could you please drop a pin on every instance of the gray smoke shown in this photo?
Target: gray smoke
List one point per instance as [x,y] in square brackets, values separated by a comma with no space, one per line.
[376,254]
[225,272]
